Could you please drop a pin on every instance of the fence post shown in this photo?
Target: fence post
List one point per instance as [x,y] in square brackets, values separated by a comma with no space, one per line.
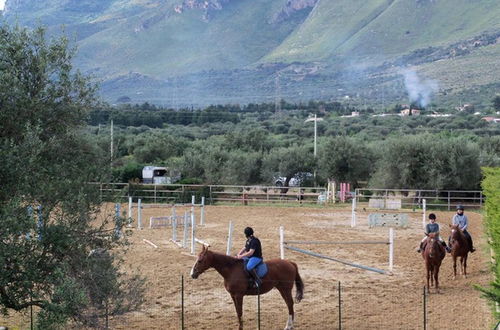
[449,206]
[182,301]
[340,307]
[425,309]
[258,307]
[193,225]
[391,248]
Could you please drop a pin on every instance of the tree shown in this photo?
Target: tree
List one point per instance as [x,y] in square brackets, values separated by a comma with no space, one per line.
[496,103]
[46,166]
[344,159]
[427,162]
[286,162]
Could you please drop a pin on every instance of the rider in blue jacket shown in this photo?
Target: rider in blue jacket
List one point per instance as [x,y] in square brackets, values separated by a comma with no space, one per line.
[462,221]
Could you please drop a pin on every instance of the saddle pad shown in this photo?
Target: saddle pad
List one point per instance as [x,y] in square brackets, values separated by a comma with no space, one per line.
[261,269]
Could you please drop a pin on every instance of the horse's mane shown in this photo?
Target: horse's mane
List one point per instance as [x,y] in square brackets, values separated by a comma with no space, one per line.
[228,260]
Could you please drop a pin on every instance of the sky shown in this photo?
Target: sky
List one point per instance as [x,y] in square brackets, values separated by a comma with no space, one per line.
[2,3]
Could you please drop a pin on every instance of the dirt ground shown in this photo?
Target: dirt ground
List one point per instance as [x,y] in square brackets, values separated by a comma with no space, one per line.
[368,300]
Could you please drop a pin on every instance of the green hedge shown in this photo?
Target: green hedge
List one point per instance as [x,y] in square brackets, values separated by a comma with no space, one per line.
[491,189]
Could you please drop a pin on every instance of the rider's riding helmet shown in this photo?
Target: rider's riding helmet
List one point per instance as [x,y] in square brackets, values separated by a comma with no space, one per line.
[432,216]
[460,207]
[248,231]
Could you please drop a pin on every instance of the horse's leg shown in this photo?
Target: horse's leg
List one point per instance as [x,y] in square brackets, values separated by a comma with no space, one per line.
[428,277]
[436,278]
[431,274]
[454,267]
[238,304]
[286,293]
[465,266]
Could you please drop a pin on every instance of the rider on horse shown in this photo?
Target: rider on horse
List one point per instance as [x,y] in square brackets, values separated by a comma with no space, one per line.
[432,227]
[252,253]
[461,220]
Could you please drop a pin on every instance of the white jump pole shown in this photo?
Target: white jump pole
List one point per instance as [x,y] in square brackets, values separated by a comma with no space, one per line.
[185,233]
[353,212]
[202,211]
[174,229]
[129,220]
[193,200]
[193,242]
[229,238]
[139,214]
[391,248]
[423,214]
[282,242]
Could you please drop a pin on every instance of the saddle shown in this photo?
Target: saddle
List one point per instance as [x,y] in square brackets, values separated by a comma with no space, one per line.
[261,270]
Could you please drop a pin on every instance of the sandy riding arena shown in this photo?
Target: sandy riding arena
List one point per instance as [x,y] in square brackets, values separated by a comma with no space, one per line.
[368,300]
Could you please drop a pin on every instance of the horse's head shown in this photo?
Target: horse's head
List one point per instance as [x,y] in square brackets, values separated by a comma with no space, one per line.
[455,231]
[203,262]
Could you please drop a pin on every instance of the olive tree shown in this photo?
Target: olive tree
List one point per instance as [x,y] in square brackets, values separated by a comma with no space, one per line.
[50,214]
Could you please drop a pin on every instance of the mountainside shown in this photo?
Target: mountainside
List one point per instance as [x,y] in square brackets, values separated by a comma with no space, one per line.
[195,52]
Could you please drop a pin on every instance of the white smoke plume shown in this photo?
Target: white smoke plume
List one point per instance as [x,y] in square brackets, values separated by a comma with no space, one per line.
[419,91]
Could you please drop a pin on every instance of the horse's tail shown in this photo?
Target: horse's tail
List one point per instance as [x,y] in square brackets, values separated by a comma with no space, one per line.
[299,285]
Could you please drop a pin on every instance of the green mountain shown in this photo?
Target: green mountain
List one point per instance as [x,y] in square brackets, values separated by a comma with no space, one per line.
[196,52]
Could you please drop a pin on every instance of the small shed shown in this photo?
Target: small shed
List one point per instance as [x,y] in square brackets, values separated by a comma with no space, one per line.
[154,174]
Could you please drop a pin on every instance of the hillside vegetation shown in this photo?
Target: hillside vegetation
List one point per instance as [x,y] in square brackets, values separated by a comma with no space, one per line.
[292,47]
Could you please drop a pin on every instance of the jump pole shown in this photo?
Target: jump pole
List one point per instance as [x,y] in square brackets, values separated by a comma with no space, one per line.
[202,211]
[129,220]
[376,270]
[139,214]
[185,233]
[229,238]
[193,224]
[423,214]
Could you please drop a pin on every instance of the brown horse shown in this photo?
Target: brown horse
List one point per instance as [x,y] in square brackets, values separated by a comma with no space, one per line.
[281,275]
[433,254]
[459,248]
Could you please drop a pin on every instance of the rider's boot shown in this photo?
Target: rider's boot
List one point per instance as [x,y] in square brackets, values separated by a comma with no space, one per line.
[419,250]
[447,248]
[256,278]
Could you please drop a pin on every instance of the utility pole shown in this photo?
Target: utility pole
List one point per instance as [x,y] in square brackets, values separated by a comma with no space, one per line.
[315,119]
